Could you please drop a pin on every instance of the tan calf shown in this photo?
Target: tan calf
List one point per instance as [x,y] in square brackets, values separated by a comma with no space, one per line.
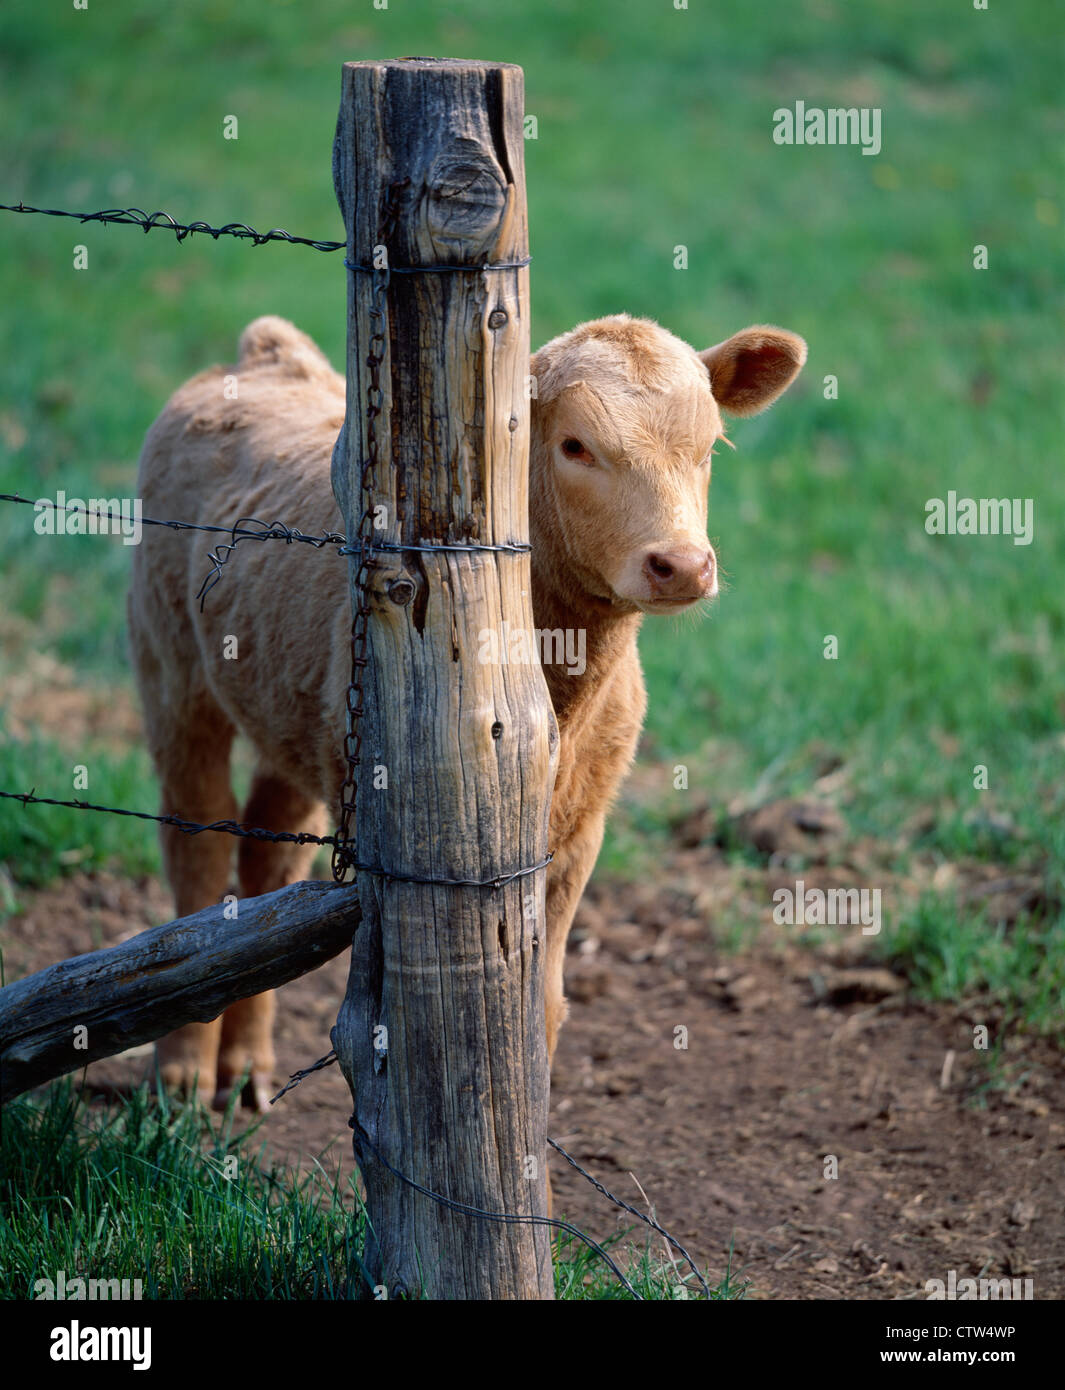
[623,425]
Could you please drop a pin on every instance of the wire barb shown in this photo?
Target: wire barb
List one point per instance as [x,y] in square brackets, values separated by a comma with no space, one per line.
[270,531]
[297,1076]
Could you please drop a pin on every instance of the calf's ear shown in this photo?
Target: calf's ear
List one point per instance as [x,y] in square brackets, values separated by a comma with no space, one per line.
[752,368]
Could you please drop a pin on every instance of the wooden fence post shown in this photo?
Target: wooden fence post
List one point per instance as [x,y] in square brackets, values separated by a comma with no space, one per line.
[441,1034]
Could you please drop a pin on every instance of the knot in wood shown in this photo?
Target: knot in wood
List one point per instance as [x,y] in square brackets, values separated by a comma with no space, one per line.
[466,197]
[401,591]
[497,318]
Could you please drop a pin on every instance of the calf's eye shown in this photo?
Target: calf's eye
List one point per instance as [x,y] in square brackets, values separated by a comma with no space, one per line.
[574,449]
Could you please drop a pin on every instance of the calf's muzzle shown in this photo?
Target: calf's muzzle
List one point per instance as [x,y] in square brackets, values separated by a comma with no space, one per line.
[682,575]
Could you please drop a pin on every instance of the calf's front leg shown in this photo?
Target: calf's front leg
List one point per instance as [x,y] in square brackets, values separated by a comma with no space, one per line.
[567,877]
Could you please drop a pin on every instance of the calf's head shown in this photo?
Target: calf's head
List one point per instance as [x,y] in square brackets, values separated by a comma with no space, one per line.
[624,421]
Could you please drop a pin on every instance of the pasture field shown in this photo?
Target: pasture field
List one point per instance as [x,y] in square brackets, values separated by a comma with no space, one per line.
[654,132]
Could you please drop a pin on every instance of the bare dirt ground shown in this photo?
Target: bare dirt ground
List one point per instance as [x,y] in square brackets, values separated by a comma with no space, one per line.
[794,1054]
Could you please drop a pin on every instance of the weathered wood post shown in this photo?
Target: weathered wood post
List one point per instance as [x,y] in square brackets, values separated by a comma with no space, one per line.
[441,1035]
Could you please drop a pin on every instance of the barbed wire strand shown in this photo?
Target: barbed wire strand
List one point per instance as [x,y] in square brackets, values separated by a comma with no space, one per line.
[501,1218]
[277,530]
[251,832]
[162,221]
[633,1211]
[297,1076]
[237,532]
[241,530]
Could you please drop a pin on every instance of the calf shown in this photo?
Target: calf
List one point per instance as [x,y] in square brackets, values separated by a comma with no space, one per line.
[623,424]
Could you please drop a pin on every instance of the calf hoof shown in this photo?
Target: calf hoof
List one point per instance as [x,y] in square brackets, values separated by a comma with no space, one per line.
[185,1082]
[187,1061]
[255,1090]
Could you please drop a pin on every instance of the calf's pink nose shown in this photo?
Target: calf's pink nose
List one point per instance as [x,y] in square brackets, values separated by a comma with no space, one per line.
[684,573]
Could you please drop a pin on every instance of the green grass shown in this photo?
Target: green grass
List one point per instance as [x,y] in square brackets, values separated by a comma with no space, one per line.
[654,131]
[159,1193]
[950,954]
[150,1194]
[39,842]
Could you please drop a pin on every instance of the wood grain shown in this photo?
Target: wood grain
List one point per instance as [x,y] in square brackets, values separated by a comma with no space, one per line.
[429,162]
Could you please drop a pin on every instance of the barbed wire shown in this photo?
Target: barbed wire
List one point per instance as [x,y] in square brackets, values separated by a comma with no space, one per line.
[276,530]
[272,531]
[502,1218]
[439,268]
[253,832]
[641,1216]
[162,221]
[516,1219]
[509,1218]
[187,827]
[240,530]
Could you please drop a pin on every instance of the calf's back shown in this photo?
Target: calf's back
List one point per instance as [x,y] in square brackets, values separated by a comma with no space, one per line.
[271,646]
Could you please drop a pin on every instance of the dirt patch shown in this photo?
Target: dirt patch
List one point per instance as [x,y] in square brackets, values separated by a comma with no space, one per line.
[45,696]
[722,1086]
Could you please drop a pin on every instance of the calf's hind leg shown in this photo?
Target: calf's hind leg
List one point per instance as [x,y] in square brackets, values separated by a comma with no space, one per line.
[247,1027]
[194,771]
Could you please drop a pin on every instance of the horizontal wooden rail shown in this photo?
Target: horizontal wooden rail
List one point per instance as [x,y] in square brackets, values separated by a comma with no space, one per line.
[186,971]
